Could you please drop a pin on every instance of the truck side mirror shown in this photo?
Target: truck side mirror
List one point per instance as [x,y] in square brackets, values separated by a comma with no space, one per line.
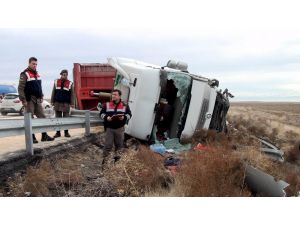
[214,83]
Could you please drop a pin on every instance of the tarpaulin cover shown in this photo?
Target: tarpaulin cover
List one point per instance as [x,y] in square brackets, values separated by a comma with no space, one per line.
[176,146]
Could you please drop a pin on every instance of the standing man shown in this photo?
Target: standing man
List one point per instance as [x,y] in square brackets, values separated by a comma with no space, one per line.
[62,98]
[31,94]
[115,115]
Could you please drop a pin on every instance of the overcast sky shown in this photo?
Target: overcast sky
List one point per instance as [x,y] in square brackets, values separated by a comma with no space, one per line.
[253,49]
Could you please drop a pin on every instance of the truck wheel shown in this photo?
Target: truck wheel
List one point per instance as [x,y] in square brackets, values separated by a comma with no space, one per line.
[3,113]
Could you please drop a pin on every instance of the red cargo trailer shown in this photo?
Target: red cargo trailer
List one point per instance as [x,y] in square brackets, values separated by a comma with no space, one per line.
[90,77]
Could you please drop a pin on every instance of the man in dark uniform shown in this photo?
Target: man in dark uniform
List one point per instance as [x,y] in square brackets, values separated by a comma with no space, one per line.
[31,94]
[115,115]
[63,98]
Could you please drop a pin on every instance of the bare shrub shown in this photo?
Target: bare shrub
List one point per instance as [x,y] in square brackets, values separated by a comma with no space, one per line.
[216,172]
[291,135]
[35,181]
[294,180]
[139,172]
[293,155]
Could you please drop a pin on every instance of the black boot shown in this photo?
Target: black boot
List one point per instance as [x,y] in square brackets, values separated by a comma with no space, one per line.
[45,137]
[67,134]
[57,134]
[34,139]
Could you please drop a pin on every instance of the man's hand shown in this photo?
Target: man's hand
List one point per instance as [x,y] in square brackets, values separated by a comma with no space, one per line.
[109,118]
[121,118]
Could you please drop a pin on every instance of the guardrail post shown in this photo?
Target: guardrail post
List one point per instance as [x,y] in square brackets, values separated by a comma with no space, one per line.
[28,133]
[87,123]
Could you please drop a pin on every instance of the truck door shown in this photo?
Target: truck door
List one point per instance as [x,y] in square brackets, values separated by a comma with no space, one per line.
[200,108]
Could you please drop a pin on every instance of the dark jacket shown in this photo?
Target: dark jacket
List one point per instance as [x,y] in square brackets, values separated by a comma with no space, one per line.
[113,110]
[63,92]
[30,84]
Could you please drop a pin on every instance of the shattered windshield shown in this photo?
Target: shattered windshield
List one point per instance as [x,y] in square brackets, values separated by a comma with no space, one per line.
[182,83]
[173,105]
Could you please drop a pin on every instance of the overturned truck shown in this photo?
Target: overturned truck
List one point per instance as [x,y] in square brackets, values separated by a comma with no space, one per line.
[168,101]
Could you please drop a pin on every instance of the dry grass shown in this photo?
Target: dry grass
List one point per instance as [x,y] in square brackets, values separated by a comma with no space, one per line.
[216,172]
[257,127]
[293,155]
[243,147]
[80,174]
[281,108]
[294,180]
[73,174]
[291,135]
[279,122]
[139,172]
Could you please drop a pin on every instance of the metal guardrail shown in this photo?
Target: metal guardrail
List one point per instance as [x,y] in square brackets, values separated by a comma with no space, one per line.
[28,126]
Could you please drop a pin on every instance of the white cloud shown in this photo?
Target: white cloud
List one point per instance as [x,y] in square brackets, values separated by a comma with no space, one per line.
[258,77]
[245,44]
[231,16]
[291,88]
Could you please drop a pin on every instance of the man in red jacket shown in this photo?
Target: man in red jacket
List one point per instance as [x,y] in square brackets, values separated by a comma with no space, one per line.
[63,98]
[31,94]
[115,115]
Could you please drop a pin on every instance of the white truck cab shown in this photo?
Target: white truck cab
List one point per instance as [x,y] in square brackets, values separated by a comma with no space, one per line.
[166,100]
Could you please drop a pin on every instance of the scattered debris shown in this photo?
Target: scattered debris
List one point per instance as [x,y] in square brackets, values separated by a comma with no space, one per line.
[158,148]
[171,161]
[176,145]
[200,147]
[264,184]
[271,150]
[171,151]
[171,164]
